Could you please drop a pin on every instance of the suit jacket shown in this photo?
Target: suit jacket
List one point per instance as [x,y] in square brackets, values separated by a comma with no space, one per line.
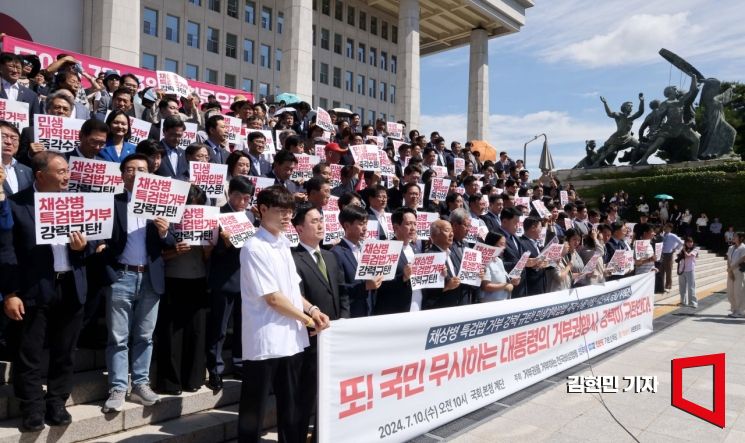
[75,153]
[510,257]
[27,137]
[27,96]
[154,246]
[30,273]
[434,298]
[394,296]
[358,304]
[328,293]
[261,169]
[24,176]
[218,154]
[182,166]
[289,184]
[535,279]
[225,265]
[372,217]
[492,222]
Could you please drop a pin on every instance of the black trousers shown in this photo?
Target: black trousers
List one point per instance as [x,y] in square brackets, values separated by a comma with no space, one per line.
[223,306]
[180,334]
[281,375]
[58,324]
[309,389]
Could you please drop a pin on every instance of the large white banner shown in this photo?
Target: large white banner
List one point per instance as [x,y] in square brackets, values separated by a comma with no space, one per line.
[420,370]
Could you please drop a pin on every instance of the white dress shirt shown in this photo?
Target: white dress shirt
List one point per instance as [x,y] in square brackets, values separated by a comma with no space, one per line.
[382,221]
[416,295]
[10,175]
[135,252]
[356,249]
[11,90]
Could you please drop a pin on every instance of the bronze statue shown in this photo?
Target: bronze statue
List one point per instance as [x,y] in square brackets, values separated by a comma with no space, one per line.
[622,138]
[718,136]
[590,156]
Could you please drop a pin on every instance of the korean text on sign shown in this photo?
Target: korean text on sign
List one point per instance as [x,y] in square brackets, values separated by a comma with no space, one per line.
[59,134]
[427,271]
[154,196]
[60,213]
[379,258]
[198,226]
[366,157]
[172,83]
[237,226]
[211,177]
[470,267]
[14,112]
[87,175]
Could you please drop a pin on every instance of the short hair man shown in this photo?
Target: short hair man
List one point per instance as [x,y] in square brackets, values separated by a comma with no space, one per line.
[217,139]
[92,138]
[396,295]
[174,164]
[17,176]
[256,145]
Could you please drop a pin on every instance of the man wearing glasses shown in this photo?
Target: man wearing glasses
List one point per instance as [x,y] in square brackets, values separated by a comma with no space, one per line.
[11,69]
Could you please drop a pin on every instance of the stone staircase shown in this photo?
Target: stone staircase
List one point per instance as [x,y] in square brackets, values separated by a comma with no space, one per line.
[711,274]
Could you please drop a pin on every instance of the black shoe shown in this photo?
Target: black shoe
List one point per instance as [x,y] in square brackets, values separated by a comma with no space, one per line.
[58,416]
[215,382]
[169,391]
[33,422]
[238,374]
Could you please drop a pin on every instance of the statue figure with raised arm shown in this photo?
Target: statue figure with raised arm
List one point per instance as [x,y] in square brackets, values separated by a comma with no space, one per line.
[718,136]
[622,138]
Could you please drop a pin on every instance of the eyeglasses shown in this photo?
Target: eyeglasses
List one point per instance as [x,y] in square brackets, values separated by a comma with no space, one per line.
[132,170]
[10,137]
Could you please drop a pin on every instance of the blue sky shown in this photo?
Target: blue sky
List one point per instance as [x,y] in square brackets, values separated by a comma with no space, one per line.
[549,76]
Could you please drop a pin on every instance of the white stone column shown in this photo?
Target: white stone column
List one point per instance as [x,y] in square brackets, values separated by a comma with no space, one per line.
[407,77]
[297,50]
[478,86]
[111,30]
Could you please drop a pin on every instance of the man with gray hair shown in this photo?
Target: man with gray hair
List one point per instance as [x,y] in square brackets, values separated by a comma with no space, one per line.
[60,103]
[441,236]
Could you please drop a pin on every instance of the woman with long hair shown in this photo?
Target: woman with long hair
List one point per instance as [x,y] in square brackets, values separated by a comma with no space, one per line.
[117,146]
[687,273]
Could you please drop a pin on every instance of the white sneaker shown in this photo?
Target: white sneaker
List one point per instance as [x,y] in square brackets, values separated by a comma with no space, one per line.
[115,402]
[144,395]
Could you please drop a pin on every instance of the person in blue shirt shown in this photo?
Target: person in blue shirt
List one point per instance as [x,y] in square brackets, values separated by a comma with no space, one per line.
[117,145]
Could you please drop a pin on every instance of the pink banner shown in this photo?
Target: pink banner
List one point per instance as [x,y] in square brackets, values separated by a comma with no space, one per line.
[92,65]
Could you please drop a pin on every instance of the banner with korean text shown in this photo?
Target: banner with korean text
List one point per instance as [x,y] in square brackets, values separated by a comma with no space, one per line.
[423,369]
[57,214]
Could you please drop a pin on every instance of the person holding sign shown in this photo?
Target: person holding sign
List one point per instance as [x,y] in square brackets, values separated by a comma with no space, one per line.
[535,269]
[453,294]
[135,266]
[174,164]
[494,286]
[224,284]
[284,163]
[617,242]
[92,136]
[275,318]
[17,176]
[514,249]
[117,147]
[644,251]
[569,269]
[45,287]
[687,273]
[59,104]
[396,295]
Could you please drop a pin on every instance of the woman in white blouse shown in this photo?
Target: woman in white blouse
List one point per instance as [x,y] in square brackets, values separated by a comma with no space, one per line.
[494,286]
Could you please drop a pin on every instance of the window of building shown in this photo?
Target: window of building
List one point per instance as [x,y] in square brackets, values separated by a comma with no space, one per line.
[349,106]
[265,57]
[371,89]
[373,25]
[192,72]
[336,104]
[337,77]
[361,112]
[323,103]
[326,7]
[280,22]
[349,81]
[394,34]
[361,53]
[172,28]
[229,78]
[384,30]
[382,117]
[170,65]
[150,22]
[371,116]
[373,56]
[248,50]
[337,43]
[394,63]
[232,12]
[149,61]
[323,75]
[266,18]
[313,71]
[313,37]
[350,48]
[393,94]
[263,90]
[278,58]
[383,92]
[231,45]
[339,10]
[383,60]
[360,84]
[213,40]
[196,2]
[210,76]
[247,85]
[249,12]
[351,15]
[214,5]
[363,21]
[192,34]
[325,36]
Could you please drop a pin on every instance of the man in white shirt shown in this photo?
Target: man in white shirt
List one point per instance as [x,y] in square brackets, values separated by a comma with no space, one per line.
[275,317]
[17,176]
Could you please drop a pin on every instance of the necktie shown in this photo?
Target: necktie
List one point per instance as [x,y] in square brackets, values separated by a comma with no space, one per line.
[382,221]
[321,265]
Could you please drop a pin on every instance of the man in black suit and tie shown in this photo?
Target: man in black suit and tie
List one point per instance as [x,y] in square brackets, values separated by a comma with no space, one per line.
[284,163]
[216,139]
[174,162]
[453,294]
[378,198]
[260,167]
[225,290]
[396,295]
[535,270]
[11,68]
[348,252]
[514,249]
[92,138]
[322,284]
[17,176]
[46,288]
[491,218]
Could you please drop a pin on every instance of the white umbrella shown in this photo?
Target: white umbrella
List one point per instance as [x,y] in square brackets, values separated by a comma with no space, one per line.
[283,110]
[341,111]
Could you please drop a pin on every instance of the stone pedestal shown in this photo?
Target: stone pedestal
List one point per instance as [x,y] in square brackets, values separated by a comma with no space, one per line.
[408,76]
[297,50]
[478,86]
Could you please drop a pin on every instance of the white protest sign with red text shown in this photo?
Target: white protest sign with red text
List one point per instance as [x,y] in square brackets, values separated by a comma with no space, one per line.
[154,196]
[57,214]
[139,130]
[59,134]
[459,165]
[172,83]
[395,130]
[304,168]
[210,177]
[332,230]
[15,113]
[488,253]
[366,157]
[188,137]
[198,226]
[427,271]
[237,226]
[88,175]
[439,189]
[379,258]
[519,266]
[233,130]
[423,222]
[323,119]
[470,267]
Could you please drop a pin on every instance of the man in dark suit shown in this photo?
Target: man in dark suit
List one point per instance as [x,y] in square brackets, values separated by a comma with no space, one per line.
[284,163]
[59,103]
[225,290]
[396,295]
[17,176]
[134,263]
[535,270]
[46,288]
[174,162]
[322,284]
[514,249]
[412,174]
[11,68]
[441,236]
[216,139]
[256,144]
[92,137]
[378,198]
[617,242]
[491,218]
[353,220]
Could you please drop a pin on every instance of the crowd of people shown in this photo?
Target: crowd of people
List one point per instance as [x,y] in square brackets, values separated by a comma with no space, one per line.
[149,287]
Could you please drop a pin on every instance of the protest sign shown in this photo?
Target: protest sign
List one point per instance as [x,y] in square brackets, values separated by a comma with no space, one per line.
[447,363]
[542,236]
[543,212]
[198,226]
[423,221]
[155,196]
[441,171]
[366,157]
[188,137]
[488,253]
[476,233]
[395,130]
[643,249]
[323,119]
[522,201]
[397,144]
[87,175]
[658,251]
[520,231]
[139,130]
[237,226]
[379,258]
[439,189]
[621,263]
[304,168]
[210,177]
[387,168]
[320,151]
[519,266]
[15,113]
[335,175]
[629,233]
[233,130]
[373,230]
[57,214]
[332,204]
[376,140]
[332,230]
[389,225]
[563,198]
[292,236]
[260,183]
[470,268]
[427,271]
[172,83]
[459,165]
[59,134]
[589,267]
[552,253]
